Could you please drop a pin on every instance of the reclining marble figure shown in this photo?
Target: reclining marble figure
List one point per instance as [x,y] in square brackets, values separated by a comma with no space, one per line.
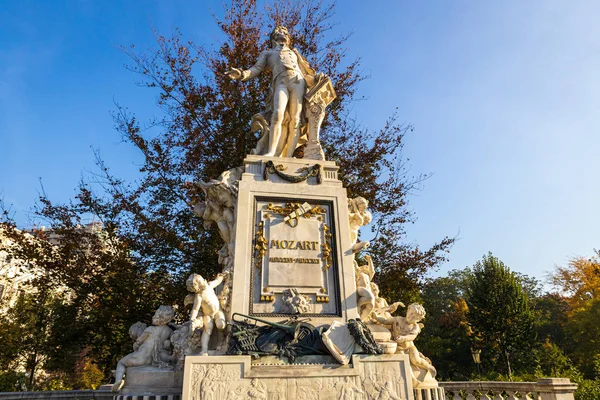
[152,347]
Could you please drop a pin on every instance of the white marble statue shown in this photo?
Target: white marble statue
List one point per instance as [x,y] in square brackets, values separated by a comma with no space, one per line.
[358,216]
[366,298]
[218,208]
[381,307]
[404,331]
[206,309]
[291,77]
[151,347]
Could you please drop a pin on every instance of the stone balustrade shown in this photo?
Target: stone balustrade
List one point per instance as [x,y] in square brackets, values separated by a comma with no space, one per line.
[59,395]
[543,389]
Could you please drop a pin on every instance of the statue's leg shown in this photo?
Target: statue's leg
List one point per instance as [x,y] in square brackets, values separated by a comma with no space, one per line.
[417,360]
[280,100]
[206,332]
[283,137]
[366,302]
[224,230]
[119,376]
[220,320]
[297,92]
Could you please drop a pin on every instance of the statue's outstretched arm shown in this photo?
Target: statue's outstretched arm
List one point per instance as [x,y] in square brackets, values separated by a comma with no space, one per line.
[255,70]
[218,280]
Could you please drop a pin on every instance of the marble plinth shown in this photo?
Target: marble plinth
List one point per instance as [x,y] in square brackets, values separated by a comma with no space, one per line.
[152,381]
[235,377]
[308,254]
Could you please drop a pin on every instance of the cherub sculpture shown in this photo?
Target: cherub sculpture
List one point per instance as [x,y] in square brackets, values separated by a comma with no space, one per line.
[218,208]
[404,331]
[382,308]
[152,346]
[366,298]
[294,302]
[358,216]
[206,309]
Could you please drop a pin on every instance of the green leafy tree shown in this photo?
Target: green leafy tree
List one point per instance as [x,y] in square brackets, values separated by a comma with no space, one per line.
[579,286]
[551,318]
[447,336]
[25,334]
[583,345]
[499,313]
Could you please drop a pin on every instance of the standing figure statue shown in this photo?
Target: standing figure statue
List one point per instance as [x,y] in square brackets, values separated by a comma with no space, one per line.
[291,76]
[206,309]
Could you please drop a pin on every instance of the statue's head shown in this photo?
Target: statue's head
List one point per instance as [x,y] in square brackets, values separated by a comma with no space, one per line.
[375,289]
[361,203]
[279,35]
[163,315]
[414,313]
[136,330]
[196,283]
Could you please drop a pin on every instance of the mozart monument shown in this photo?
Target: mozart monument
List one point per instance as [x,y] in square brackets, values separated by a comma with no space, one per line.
[293,314]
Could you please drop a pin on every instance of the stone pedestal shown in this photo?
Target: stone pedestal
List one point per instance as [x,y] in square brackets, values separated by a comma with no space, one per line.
[150,383]
[280,247]
[235,377]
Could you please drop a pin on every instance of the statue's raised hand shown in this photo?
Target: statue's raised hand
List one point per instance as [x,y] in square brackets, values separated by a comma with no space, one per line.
[235,73]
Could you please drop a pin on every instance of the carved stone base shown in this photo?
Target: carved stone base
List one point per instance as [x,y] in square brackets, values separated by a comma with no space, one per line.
[144,381]
[314,151]
[235,377]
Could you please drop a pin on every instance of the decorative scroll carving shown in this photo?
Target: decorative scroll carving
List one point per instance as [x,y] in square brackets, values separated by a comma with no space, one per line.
[326,247]
[261,245]
[305,173]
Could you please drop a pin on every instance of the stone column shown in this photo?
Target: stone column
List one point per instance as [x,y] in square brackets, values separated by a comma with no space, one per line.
[555,389]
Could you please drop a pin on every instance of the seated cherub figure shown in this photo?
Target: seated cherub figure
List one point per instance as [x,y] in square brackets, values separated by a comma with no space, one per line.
[206,309]
[382,308]
[405,330]
[152,345]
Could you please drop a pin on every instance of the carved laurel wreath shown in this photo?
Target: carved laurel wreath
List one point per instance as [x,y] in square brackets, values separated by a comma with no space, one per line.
[305,173]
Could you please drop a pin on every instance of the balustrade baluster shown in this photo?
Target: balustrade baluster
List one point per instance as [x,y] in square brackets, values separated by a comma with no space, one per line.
[470,395]
[511,395]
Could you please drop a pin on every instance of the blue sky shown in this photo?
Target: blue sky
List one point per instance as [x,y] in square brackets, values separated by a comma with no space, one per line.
[504,97]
